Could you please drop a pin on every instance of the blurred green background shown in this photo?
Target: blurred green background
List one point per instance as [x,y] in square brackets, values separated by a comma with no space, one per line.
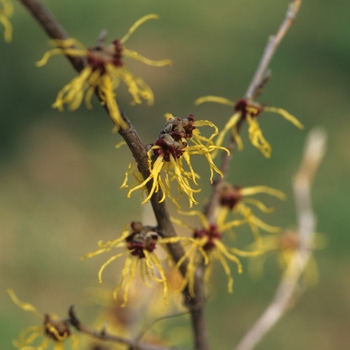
[60,172]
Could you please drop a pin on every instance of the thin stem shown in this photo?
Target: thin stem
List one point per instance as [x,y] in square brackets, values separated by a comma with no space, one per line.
[104,335]
[289,284]
[159,319]
[271,47]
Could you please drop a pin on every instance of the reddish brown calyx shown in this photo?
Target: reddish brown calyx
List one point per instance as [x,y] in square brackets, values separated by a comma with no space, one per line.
[99,56]
[212,233]
[188,126]
[140,239]
[248,108]
[168,146]
[118,53]
[230,196]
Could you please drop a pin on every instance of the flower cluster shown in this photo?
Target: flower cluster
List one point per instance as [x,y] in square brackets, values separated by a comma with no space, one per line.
[209,246]
[102,74]
[248,111]
[138,242]
[167,154]
[284,246]
[53,330]
[234,199]
[6,11]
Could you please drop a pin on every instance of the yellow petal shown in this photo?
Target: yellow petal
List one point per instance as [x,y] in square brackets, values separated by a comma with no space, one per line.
[136,25]
[285,115]
[248,191]
[21,304]
[136,56]
[216,99]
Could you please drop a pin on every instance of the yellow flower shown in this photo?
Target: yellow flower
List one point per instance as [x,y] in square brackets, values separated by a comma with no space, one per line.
[285,246]
[104,70]
[249,111]
[52,330]
[167,155]
[139,243]
[6,11]
[209,246]
[234,199]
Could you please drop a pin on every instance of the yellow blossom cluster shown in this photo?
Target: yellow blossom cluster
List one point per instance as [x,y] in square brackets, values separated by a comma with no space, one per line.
[102,74]
[249,111]
[51,331]
[176,143]
[284,247]
[204,245]
[210,237]
[138,243]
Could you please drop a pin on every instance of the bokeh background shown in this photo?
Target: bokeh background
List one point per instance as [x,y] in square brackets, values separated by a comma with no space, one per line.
[60,172]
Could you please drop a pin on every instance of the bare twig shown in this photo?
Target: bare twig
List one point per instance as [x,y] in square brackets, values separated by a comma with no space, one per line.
[271,47]
[104,335]
[306,227]
[260,78]
[158,319]
[194,304]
